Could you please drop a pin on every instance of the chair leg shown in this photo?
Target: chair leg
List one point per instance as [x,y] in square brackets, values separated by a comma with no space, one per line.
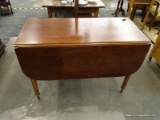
[127,7]
[133,12]
[117,9]
[144,11]
[150,26]
[147,13]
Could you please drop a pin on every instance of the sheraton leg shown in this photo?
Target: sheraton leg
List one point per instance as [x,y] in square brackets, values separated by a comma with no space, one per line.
[35,87]
[125,83]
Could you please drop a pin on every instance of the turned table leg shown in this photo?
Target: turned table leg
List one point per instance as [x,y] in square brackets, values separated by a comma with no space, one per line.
[125,83]
[35,87]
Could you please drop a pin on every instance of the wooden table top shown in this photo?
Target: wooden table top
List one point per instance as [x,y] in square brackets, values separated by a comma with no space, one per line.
[57,3]
[80,31]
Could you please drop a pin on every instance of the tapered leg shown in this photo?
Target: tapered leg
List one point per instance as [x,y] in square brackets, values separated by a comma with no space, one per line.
[125,83]
[35,87]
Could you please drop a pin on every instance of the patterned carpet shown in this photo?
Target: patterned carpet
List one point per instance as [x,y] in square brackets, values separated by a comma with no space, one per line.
[152,34]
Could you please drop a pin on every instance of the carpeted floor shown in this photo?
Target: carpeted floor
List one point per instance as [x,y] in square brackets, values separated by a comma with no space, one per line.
[11,25]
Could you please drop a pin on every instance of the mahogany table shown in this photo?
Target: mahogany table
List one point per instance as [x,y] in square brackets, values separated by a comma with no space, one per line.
[55,6]
[73,48]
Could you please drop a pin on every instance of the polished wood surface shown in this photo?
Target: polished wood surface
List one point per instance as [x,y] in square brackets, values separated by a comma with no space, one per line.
[68,48]
[56,7]
[83,31]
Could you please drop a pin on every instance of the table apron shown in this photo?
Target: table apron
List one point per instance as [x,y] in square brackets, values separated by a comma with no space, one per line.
[51,10]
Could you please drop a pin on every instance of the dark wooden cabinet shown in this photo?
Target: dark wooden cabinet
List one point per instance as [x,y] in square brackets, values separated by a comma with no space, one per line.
[2,48]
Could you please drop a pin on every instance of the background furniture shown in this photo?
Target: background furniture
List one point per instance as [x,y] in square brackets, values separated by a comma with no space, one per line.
[136,7]
[55,6]
[141,2]
[5,4]
[74,48]
[155,53]
[154,13]
[2,48]
[119,8]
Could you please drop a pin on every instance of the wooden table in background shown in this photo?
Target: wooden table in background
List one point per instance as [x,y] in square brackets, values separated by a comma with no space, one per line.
[55,6]
[73,48]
